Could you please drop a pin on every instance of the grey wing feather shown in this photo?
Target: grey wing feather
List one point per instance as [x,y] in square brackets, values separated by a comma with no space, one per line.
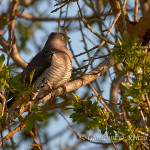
[40,63]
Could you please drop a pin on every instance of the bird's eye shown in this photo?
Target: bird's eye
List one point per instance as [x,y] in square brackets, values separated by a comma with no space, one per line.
[62,38]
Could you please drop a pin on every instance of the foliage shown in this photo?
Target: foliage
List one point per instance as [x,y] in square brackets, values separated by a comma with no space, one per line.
[136,62]
[4,73]
[84,109]
[35,117]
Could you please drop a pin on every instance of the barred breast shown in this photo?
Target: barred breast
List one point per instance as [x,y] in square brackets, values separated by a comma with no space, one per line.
[57,74]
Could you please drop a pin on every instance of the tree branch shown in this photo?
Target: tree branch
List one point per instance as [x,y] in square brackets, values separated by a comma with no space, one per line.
[70,86]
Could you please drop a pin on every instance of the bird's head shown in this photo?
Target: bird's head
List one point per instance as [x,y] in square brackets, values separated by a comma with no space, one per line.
[57,40]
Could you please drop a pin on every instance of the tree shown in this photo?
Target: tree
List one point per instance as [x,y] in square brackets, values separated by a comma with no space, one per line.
[122,55]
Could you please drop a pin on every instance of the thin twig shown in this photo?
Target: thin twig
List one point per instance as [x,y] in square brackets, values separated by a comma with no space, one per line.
[114,145]
[142,133]
[79,135]
[22,122]
[148,101]
[90,40]
[59,20]
[96,58]
[10,134]
[136,11]
[2,97]
[122,14]
[12,140]
[36,143]
[2,141]
[66,15]
[143,119]
[12,47]
[86,51]
[92,30]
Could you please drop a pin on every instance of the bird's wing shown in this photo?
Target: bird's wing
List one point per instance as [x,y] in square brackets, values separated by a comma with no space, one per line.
[40,63]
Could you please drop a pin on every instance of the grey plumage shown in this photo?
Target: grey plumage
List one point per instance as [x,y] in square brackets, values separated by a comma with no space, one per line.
[52,65]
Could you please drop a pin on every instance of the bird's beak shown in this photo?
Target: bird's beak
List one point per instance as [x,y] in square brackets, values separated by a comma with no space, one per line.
[68,38]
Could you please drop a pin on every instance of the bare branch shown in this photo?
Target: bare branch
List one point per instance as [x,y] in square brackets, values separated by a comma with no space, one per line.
[143,119]
[70,86]
[10,134]
[136,11]
[114,92]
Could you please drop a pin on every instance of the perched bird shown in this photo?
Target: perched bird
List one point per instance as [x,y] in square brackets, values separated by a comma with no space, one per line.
[53,65]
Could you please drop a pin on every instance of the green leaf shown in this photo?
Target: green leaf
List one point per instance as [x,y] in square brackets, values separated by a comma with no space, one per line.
[90,97]
[92,124]
[36,108]
[15,83]
[102,128]
[110,132]
[29,124]
[99,97]
[126,37]
[116,115]
[76,97]
[134,106]
[127,84]
[2,59]
[31,76]
[129,125]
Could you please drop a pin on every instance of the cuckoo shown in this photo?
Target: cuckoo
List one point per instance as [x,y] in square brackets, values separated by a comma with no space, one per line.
[52,66]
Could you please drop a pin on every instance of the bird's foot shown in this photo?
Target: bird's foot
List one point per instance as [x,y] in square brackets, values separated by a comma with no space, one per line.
[52,93]
[49,88]
[64,87]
